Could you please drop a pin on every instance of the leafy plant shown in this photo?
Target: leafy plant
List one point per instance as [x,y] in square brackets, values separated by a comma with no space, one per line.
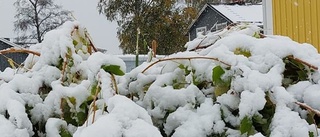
[221,86]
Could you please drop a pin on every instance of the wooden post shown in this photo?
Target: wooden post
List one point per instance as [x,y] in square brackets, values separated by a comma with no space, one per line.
[137,47]
[154,47]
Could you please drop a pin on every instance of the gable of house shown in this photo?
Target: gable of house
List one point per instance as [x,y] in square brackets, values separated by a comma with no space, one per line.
[208,20]
[216,17]
[16,57]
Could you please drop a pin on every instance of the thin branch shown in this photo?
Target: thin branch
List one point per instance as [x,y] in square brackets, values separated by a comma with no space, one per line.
[303,62]
[185,58]
[94,107]
[198,46]
[114,83]
[15,50]
[305,106]
[310,109]
[64,68]
[90,42]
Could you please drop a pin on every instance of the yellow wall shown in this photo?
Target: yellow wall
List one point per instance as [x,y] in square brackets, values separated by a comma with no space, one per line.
[298,19]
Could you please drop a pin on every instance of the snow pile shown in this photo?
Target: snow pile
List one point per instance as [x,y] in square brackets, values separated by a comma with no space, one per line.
[125,118]
[230,83]
[54,93]
[236,82]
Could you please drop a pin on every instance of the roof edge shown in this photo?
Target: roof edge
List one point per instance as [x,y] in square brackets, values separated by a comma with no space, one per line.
[10,43]
[199,14]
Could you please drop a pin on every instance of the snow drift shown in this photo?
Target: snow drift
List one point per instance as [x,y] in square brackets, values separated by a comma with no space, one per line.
[235,82]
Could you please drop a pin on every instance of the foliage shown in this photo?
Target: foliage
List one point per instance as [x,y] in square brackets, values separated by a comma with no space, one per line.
[159,20]
[217,82]
[67,90]
[36,17]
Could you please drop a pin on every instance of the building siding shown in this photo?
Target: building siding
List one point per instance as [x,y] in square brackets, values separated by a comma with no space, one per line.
[207,19]
[17,57]
[297,19]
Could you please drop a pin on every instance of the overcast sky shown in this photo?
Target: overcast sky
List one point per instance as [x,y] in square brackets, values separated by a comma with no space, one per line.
[102,31]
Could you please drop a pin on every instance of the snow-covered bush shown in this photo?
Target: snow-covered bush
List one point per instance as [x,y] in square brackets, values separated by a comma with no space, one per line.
[236,82]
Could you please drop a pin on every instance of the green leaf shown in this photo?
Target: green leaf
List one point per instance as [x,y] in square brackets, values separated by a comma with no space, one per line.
[311,134]
[220,89]
[84,41]
[244,52]
[114,69]
[181,66]
[64,133]
[81,118]
[246,126]
[75,42]
[256,35]
[259,119]
[72,100]
[217,72]
[95,89]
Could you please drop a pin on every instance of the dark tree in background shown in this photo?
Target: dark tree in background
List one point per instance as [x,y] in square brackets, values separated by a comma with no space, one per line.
[165,21]
[36,17]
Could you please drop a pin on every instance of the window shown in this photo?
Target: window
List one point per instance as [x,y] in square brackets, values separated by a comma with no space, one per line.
[201,31]
[221,26]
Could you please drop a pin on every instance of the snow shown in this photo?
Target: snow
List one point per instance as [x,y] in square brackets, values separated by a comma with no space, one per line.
[125,118]
[67,88]
[242,13]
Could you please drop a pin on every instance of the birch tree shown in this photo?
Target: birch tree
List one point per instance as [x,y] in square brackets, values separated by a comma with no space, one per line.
[36,17]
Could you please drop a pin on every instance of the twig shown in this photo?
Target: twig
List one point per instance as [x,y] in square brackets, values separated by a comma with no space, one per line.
[303,105]
[114,83]
[310,109]
[184,58]
[303,62]
[94,102]
[90,42]
[15,50]
[198,46]
[64,68]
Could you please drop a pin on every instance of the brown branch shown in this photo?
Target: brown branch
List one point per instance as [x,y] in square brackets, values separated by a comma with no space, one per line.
[15,50]
[114,83]
[198,46]
[64,68]
[90,42]
[304,62]
[184,58]
[94,107]
[305,106]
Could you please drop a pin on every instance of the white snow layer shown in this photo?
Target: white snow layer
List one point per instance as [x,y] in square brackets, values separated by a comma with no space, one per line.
[125,118]
[164,99]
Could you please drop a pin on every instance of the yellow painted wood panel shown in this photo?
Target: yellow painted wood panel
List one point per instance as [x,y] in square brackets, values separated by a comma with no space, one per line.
[301,21]
[283,17]
[297,19]
[314,25]
[307,21]
[289,18]
[295,24]
[318,20]
[276,9]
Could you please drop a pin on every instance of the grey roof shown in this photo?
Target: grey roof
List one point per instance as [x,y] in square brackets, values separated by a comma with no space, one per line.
[10,43]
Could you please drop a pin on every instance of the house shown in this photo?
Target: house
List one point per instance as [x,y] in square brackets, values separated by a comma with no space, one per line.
[130,60]
[216,17]
[297,19]
[16,57]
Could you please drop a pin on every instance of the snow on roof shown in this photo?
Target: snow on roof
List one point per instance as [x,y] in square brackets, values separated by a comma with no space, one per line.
[10,43]
[241,13]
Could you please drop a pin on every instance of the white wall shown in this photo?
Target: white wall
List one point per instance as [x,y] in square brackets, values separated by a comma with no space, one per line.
[267,17]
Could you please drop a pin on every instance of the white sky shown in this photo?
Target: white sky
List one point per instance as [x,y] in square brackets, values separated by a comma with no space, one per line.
[102,31]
